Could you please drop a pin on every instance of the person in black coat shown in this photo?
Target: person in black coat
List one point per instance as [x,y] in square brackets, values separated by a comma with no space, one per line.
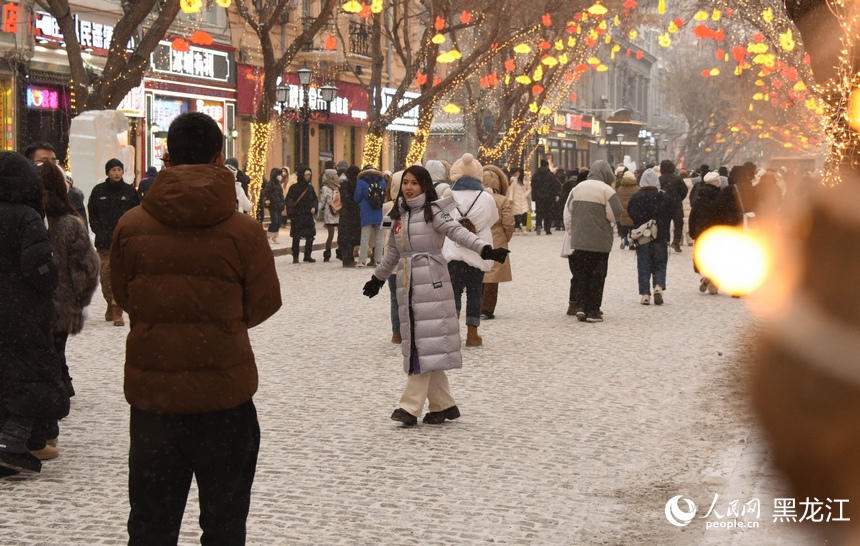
[76,196]
[302,203]
[558,206]
[545,190]
[674,187]
[652,259]
[272,198]
[146,183]
[349,227]
[108,202]
[31,388]
[713,207]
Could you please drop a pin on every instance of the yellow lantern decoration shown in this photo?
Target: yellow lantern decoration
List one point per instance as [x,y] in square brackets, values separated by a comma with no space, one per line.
[549,61]
[715,72]
[451,108]
[738,71]
[593,61]
[562,59]
[438,39]
[352,6]
[799,86]
[533,108]
[559,45]
[523,79]
[608,39]
[615,49]
[616,21]
[456,55]
[700,16]
[602,68]
[786,40]
[571,41]
[544,111]
[767,15]
[852,116]
[664,40]
[673,28]
[759,83]
[598,9]
[538,75]
[661,7]
[633,34]
[717,15]
[190,6]
[223,3]
[376,6]
[522,49]
[445,58]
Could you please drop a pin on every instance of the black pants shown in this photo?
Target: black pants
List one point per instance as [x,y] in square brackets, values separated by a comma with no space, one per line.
[309,247]
[572,266]
[678,226]
[520,220]
[589,272]
[219,449]
[543,218]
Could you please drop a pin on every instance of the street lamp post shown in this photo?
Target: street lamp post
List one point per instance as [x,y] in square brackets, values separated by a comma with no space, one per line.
[327,92]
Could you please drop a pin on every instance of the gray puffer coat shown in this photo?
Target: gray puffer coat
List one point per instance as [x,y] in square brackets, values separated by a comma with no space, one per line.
[428,317]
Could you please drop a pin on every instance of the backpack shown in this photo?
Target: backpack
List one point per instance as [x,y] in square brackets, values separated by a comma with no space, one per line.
[375,194]
[335,205]
[644,234]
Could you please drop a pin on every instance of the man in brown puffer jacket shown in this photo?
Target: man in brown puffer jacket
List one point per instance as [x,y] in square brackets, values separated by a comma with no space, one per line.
[194,276]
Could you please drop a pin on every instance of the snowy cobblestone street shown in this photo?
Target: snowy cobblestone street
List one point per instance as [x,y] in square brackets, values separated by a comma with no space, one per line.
[572,433]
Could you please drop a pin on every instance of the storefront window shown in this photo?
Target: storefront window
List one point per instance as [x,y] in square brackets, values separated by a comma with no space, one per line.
[164,111]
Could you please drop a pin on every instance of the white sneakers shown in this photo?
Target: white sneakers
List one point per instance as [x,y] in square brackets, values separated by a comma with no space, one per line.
[645,299]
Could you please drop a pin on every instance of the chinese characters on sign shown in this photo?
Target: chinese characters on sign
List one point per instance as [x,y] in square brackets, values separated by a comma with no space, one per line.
[206,64]
[10,18]
[42,98]
[91,35]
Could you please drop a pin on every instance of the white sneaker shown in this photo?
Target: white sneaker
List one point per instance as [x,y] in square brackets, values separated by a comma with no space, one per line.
[645,299]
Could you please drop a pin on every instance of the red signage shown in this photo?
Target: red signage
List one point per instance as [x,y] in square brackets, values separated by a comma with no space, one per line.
[10,18]
[349,108]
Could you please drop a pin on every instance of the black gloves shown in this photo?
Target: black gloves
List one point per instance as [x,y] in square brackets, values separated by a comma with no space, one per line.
[495,254]
[371,287]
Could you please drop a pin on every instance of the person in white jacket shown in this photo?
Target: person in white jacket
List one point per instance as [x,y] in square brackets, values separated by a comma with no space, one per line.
[520,194]
[466,268]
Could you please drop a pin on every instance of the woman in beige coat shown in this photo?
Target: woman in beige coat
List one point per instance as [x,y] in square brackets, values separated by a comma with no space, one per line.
[497,184]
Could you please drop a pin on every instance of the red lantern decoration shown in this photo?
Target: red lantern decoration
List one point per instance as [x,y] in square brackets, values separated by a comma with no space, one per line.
[678,22]
[720,34]
[739,53]
[510,65]
[465,17]
[703,32]
[544,45]
[440,23]
[546,20]
[630,4]
[180,44]
[330,42]
[201,38]
[421,78]
[573,97]
[537,89]
[639,55]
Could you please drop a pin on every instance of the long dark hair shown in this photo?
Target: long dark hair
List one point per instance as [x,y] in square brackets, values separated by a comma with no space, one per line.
[426,182]
[55,184]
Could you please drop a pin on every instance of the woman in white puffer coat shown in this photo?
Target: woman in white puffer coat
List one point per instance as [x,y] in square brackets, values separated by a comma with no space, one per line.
[428,317]
[520,195]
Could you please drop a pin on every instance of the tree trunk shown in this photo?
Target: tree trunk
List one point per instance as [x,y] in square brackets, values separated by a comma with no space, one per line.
[419,142]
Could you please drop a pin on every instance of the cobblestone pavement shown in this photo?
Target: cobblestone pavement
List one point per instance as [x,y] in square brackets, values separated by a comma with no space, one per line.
[572,433]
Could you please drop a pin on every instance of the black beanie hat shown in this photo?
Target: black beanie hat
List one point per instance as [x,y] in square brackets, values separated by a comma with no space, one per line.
[113,163]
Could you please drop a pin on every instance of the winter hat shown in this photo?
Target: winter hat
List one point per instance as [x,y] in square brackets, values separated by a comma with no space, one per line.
[619,170]
[232,161]
[437,170]
[330,177]
[649,179]
[466,166]
[113,163]
[152,172]
[396,181]
[713,179]
[629,178]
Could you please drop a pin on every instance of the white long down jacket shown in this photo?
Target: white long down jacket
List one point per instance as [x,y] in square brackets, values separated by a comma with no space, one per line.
[428,317]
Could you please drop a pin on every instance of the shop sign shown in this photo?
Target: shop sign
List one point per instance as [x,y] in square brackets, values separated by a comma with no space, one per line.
[43,98]
[408,122]
[206,64]
[559,119]
[10,18]
[90,34]
[349,107]
[574,122]
[133,103]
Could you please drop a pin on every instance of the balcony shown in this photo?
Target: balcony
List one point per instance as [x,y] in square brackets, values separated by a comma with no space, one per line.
[359,39]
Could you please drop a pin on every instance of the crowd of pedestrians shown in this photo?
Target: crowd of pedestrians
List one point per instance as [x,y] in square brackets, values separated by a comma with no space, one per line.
[434,233]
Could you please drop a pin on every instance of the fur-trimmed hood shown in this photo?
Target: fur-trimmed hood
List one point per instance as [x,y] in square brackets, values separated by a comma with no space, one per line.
[495,179]
[368,172]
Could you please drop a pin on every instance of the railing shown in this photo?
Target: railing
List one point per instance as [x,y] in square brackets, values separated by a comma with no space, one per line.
[318,41]
[359,39]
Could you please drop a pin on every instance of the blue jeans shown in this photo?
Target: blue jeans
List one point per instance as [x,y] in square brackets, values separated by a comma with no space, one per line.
[395,310]
[464,276]
[275,225]
[651,261]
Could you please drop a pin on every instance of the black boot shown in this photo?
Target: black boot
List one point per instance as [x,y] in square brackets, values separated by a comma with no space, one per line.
[326,255]
[295,257]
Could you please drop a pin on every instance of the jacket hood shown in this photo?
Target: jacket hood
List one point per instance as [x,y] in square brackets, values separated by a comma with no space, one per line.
[367,173]
[232,161]
[467,183]
[495,179]
[192,196]
[20,181]
[396,182]
[600,170]
[151,172]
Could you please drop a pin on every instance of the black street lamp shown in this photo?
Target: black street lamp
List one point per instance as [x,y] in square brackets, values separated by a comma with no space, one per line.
[327,92]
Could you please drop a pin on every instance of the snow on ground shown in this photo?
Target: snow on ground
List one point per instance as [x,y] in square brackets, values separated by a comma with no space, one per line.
[572,433]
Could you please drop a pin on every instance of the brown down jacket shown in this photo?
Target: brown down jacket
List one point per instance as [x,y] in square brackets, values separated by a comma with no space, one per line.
[193,275]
